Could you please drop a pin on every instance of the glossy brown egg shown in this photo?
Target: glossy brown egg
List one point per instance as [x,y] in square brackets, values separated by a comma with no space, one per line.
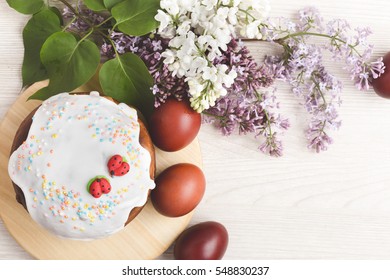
[381,85]
[204,241]
[174,125]
[179,189]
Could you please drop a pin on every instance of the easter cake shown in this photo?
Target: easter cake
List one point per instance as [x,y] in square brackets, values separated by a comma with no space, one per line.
[82,165]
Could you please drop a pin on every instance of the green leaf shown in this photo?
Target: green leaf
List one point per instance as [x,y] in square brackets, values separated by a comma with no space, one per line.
[95,5]
[136,17]
[37,30]
[58,13]
[69,63]
[26,6]
[111,3]
[126,79]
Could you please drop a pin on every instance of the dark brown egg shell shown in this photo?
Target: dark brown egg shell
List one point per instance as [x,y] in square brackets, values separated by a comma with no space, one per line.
[381,85]
[204,241]
[179,189]
[174,125]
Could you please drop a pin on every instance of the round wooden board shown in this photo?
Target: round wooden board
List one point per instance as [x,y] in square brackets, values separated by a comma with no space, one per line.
[146,237]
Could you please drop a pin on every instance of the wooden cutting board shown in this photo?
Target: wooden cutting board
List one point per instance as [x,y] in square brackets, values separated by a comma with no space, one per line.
[146,237]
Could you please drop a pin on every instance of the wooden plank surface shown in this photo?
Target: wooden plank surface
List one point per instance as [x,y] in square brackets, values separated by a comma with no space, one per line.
[333,205]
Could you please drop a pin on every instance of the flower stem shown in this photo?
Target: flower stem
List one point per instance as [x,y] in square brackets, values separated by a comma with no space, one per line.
[322,130]
[317,86]
[113,45]
[69,24]
[268,121]
[105,21]
[305,33]
[76,13]
[86,36]
[247,14]
[70,7]
[82,39]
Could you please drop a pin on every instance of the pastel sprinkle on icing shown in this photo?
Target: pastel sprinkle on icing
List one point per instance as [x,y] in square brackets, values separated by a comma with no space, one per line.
[70,141]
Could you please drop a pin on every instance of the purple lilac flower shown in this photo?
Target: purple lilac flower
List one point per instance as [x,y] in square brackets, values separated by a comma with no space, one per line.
[323,110]
[353,48]
[149,49]
[272,146]
[310,17]
[79,24]
[301,65]
[247,108]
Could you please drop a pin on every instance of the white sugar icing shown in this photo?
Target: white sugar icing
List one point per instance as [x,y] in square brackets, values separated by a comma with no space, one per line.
[70,141]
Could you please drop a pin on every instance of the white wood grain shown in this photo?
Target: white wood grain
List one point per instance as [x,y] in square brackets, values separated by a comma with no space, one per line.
[333,205]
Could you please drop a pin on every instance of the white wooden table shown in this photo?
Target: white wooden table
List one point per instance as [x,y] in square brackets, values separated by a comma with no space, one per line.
[334,205]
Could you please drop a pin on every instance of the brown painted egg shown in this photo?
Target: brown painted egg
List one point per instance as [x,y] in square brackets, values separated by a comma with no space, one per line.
[174,125]
[179,189]
[381,85]
[204,241]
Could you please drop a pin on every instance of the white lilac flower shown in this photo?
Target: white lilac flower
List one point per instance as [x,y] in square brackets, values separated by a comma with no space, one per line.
[164,20]
[210,73]
[184,28]
[250,17]
[211,85]
[171,6]
[252,30]
[200,31]
[209,4]
[257,8]
[232,15]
